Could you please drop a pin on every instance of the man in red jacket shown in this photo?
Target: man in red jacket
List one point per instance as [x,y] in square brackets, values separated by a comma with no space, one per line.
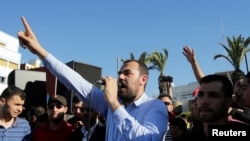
[56,129]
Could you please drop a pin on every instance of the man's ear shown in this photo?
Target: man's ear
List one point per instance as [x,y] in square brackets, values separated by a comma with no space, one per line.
[65,109]
[144,78]
[2,101]
[33,118]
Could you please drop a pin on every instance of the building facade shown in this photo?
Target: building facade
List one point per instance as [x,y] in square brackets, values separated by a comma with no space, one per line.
[10,58]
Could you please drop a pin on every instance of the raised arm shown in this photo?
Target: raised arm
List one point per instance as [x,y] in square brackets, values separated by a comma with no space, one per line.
[70,78]
[28,40]
[190,56]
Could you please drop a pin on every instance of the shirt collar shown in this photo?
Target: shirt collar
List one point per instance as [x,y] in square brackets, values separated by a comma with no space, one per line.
[140,100]
[84,131]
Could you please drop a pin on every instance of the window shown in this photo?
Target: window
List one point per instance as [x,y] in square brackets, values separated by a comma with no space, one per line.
[13,65]
[2,80]
[3,62]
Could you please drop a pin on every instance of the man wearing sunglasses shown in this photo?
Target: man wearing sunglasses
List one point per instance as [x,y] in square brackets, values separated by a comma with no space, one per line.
[56,129]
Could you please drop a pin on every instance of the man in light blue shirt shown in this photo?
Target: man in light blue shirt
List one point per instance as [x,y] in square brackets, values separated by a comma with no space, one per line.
[130,114]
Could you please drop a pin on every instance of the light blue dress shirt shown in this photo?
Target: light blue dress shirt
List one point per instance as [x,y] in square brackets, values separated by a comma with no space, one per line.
[144,120]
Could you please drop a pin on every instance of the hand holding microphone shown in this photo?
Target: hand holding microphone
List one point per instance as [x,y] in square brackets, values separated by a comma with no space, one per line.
[110,91]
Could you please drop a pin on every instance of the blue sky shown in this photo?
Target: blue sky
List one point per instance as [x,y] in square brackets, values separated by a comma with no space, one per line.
[98,32]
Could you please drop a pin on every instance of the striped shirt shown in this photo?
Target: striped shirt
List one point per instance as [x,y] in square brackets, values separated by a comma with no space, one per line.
[18,131]
[167,136]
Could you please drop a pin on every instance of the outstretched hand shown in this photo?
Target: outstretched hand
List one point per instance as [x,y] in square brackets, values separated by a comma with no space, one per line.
[27,39]
[189,53]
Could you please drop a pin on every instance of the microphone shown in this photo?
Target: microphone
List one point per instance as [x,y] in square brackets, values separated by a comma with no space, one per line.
[101,82]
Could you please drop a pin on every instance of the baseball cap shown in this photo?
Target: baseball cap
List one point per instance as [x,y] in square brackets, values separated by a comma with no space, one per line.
[58,98]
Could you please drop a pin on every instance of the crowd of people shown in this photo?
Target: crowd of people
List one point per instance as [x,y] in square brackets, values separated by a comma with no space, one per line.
[122,112]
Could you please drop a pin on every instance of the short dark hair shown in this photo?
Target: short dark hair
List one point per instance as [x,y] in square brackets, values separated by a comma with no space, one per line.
[164,95]
[237,75]
[12,91]
[36,111]
[39,112]
[142,66]
[76,99]
[179,122]
[227,87]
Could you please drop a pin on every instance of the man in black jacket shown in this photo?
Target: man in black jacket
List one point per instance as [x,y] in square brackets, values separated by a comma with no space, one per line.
[92,129]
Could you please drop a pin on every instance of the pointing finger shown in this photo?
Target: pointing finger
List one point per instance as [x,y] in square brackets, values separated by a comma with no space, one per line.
[28,30]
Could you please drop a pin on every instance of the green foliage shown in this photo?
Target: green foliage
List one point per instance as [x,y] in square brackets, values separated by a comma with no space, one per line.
[236,49]
[159,60]
[155,60]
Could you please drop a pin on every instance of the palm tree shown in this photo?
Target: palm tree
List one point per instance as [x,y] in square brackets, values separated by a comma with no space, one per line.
[144,57]
[159,61]
[236,50]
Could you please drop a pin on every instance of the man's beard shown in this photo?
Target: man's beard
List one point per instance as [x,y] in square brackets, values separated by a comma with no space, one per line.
[89,122]
[214,115]
[58,119]
[126,98]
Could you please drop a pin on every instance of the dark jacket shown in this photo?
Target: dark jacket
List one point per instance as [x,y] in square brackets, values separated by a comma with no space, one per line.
[98,134]
[242,116]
